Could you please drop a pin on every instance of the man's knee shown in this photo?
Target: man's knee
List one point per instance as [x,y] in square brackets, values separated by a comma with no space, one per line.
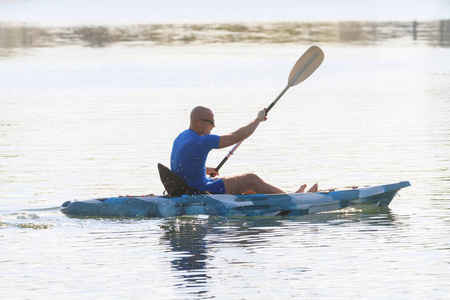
[252,179]
[241,183]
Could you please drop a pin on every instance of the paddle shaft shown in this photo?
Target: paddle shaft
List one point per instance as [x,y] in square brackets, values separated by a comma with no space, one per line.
[277,98]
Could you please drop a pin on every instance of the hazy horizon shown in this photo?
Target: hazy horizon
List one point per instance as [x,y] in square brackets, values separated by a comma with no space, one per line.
[75,12]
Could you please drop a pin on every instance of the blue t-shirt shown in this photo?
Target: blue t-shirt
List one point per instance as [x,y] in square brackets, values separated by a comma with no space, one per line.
[189,153]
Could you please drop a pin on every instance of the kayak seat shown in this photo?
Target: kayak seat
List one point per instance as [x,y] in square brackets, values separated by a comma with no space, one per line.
[175,186]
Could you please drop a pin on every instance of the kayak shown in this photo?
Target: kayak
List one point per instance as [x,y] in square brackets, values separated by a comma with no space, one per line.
[253,205]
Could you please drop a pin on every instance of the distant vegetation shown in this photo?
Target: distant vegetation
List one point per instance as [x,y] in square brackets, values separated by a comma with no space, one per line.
[434,33]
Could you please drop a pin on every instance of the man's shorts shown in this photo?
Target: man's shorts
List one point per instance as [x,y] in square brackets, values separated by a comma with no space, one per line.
[214,186]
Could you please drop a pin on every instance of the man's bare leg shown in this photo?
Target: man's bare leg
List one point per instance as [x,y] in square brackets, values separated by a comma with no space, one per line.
[241,183]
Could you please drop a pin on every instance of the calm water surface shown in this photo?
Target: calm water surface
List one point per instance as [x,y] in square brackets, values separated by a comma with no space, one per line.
[79,122]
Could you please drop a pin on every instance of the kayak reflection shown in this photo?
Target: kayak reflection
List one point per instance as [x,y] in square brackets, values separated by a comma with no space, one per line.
[198,244]
[186,239]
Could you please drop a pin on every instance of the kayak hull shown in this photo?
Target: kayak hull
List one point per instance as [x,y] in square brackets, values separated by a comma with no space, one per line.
[232,205]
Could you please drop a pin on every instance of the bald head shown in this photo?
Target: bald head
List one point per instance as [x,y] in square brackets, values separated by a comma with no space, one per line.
[202,120]
[201,112]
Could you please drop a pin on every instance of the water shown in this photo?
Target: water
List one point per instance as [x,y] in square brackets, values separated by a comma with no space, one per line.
[81,122]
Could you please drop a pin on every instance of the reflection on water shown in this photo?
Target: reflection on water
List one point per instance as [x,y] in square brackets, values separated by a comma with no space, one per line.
[435,33]
[193,241]
[186,239]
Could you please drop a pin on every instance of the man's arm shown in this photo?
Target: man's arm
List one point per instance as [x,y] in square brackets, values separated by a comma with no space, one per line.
[243,132]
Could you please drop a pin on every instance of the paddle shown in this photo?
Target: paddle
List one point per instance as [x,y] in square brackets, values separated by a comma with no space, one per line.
[303,68]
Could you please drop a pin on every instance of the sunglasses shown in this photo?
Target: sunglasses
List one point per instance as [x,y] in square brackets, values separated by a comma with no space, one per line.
[209,121]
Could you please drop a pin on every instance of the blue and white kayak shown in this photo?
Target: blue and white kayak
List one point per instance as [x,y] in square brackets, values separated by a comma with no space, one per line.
[232,205]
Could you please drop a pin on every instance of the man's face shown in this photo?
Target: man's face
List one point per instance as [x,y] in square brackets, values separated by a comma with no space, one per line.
[207,124]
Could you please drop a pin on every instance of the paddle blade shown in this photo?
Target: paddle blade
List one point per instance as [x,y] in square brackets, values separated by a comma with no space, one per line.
[306,65]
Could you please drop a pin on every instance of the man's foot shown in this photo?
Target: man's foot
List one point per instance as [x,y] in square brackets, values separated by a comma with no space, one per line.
[301,189]
[314,188]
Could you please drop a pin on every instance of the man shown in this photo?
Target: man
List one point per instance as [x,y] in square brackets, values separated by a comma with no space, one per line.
[190,151]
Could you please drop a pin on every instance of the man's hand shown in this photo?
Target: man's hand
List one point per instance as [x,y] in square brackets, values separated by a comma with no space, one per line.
[211,172]
[262,115]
